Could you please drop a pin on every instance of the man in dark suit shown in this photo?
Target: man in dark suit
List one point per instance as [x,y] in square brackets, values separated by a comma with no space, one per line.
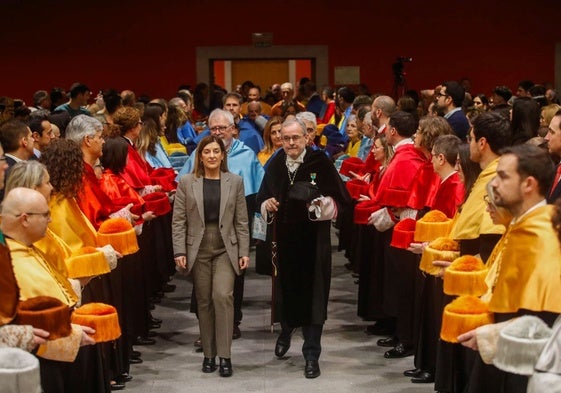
[17,140]
[553,138]
[449,100]
[302,223]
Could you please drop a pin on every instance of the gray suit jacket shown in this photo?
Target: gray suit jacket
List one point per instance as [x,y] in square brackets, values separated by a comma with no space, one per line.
[188,224]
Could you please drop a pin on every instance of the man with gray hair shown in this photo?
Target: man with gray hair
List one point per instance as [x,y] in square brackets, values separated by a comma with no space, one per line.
[301,193]
[86,131]
[309,120]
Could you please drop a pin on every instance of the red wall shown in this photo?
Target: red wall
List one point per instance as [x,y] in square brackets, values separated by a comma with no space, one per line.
[150,46]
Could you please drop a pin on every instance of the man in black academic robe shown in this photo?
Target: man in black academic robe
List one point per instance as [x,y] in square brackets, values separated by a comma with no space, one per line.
[300,194]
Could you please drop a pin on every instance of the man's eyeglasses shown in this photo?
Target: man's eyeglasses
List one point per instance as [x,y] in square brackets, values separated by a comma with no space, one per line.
[442,95]
[294,138]
[219,128]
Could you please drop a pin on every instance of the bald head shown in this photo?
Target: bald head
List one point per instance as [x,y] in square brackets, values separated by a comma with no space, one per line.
[253,110]
[25,215]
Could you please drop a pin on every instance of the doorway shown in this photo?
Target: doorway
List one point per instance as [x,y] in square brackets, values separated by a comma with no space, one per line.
[262,72]
[311,61]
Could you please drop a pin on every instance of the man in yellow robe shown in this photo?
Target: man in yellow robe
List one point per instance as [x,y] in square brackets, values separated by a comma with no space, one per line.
[527,277]
[473,229]
[25,216]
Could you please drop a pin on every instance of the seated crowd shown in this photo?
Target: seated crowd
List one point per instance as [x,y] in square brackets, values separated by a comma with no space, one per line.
[434,177]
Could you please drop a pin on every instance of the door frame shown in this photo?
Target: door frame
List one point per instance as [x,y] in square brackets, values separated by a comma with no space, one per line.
[205,55]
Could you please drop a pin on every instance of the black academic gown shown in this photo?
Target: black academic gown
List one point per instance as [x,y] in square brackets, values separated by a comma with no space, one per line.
[304,246]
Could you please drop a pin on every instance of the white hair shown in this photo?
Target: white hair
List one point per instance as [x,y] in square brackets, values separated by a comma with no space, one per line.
[221,113]
[307,116]
[82,126]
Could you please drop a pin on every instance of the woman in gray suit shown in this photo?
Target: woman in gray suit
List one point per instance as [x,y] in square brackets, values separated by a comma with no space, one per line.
[211,240]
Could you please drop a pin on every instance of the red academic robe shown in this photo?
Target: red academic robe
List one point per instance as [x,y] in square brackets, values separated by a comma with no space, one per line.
[396,184]
[136,170]
[116,188]
[138,173]
[92,200]
[449,195]
[424,187]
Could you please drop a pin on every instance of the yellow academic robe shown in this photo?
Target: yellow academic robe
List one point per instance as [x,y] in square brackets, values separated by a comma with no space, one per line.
[55,249]
[473,220]
[36,277]
[70,224]
[528,266]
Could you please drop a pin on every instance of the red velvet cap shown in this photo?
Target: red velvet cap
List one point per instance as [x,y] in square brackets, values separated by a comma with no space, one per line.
[158,203]
[353,164]
[357,187]
[363,210]
[122,202]
[164,177]
[403,233]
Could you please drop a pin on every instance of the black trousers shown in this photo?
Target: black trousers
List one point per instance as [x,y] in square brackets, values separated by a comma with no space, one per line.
[311,349]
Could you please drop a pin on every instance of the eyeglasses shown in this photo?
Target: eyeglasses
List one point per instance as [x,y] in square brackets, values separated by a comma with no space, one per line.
[219,128]
[46,214]
[294,138]
[442,95]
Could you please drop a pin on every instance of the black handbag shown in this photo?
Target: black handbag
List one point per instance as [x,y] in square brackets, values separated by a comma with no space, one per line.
[303,191]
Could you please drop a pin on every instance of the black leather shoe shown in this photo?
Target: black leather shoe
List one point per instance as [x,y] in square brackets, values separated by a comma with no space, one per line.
[387,342]
[144,341]
[123,378]
[135,360]
[135,354]
[237,333]
[225,367]
[400,351]
[423,377]
[209,365]
[117,385]
[283,345]
[311,370]
[412,373]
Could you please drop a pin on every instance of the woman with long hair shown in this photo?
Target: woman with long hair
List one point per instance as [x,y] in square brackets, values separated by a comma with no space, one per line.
[212,198]
[525,120]
[272,139]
